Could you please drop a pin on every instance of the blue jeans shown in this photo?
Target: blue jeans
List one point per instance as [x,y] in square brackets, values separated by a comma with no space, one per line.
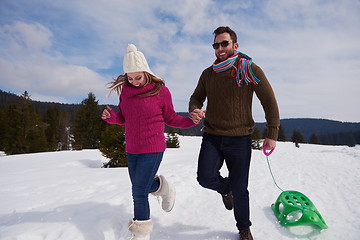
[142,169]
[236,152]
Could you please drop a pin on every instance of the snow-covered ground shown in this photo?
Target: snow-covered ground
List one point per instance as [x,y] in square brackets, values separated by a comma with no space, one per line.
[67,195]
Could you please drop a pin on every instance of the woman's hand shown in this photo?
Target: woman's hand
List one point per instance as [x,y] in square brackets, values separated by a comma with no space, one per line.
[106,113]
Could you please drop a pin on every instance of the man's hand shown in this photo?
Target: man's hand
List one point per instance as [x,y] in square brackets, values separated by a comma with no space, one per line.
[196,115]
[269,143]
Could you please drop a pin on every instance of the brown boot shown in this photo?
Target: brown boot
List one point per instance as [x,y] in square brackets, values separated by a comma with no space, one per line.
[228,201]
[245,234]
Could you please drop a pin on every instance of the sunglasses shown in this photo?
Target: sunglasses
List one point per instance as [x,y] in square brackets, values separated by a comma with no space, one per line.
[223,44]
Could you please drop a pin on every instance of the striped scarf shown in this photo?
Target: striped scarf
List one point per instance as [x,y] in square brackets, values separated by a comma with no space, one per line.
[243,71]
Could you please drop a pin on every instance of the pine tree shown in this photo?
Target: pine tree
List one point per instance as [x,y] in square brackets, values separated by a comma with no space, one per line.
[351,142]
[65,135]
[314,139]
[57,134]
[2,128]
[297,138]
[24,131]
[172,139]
[256,138]
[112,146]
[12,142]
[282,136]
[88,124]
[52,117]
[265,133]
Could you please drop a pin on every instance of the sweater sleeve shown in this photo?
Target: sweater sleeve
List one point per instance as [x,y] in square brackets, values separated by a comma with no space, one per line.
[116,118]
[169,114]
[266,95]
[198,97]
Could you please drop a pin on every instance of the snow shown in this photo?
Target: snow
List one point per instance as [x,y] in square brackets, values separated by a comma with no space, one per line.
[67,195]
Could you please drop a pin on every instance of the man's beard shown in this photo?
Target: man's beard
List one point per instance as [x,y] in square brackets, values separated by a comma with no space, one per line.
[229,54]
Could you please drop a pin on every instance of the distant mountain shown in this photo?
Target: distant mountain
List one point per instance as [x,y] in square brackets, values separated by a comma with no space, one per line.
[7,98]
[328,131]
[309,126]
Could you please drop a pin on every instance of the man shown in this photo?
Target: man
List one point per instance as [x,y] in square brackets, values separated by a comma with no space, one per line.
[229,85]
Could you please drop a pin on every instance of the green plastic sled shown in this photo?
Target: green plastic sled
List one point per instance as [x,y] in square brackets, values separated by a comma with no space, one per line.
[293,208]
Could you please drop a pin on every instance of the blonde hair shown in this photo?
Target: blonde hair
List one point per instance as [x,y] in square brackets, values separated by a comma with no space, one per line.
[121,80]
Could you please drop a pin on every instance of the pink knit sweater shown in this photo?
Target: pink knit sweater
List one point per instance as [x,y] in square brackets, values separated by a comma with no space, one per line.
[144,118]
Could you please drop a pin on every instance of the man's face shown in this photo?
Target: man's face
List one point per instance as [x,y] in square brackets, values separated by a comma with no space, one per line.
[223,53]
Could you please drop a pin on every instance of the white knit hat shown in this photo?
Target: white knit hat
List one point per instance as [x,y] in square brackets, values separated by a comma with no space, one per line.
[135,61]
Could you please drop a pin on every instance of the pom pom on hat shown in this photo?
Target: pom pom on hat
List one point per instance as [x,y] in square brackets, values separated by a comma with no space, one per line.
[135,61]
[131,48]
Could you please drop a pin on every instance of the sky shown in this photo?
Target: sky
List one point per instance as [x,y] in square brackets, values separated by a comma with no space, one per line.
[59,51]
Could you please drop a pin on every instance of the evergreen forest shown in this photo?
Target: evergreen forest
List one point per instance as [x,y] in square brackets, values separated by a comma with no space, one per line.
[28,126]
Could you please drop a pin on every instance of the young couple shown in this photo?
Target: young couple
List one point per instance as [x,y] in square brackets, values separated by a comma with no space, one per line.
[145,105]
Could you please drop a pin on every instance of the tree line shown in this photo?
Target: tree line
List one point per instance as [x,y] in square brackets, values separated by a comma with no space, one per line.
[24,130]
[329,132]
[297,138]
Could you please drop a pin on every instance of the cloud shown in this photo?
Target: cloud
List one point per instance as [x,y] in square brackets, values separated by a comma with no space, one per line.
[22,36]
[32,66]
[308,49]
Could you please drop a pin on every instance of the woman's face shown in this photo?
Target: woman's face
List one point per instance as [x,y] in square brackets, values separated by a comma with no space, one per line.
[137,79]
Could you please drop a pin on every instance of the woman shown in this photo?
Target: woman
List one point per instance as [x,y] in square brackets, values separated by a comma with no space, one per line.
[145,106]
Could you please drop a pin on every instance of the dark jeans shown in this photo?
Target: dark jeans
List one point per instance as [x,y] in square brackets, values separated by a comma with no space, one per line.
[236,152]
[142,169]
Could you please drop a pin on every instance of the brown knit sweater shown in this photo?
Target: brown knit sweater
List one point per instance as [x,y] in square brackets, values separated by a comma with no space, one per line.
[229,107]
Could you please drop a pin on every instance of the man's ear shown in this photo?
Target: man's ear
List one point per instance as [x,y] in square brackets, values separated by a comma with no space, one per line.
[236,45]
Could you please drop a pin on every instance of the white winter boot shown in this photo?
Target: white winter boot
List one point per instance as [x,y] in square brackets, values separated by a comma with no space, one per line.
[140,230]
[167,192]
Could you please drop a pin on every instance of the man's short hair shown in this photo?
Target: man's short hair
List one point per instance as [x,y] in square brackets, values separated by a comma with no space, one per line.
[226,29]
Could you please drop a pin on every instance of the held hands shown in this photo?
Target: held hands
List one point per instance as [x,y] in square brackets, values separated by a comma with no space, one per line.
[106,113]
[196,115]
